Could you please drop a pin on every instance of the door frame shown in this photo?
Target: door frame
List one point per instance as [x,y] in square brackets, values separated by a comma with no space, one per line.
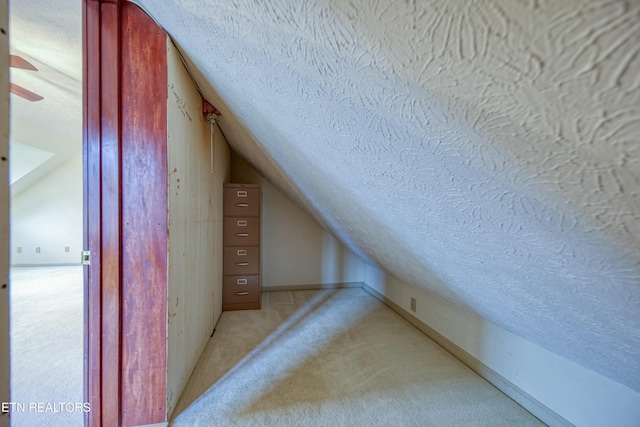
[4,211]
[102,204]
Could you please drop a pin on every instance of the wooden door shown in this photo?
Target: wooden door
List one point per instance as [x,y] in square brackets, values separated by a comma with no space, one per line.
[125,114]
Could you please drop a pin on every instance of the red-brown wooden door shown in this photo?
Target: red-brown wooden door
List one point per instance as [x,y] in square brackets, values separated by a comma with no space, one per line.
[124,134]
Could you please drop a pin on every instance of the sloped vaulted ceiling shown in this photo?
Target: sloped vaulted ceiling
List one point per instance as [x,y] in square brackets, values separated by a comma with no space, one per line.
[486,151]
[49,36]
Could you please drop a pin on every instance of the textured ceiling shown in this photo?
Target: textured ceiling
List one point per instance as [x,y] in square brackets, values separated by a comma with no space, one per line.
[486,151]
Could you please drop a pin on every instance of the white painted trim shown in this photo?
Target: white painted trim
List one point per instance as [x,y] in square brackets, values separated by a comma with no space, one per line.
[62,264]
[276,288]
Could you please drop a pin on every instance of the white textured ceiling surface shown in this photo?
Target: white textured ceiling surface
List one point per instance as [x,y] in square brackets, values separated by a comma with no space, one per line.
[48,34]
[486,151]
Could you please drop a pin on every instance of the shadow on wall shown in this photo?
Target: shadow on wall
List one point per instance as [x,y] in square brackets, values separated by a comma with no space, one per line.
[296,249]
[333,198]
[339,264]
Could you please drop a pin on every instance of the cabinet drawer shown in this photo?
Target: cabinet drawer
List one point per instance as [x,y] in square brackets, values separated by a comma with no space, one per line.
[239,201]
[241,289]
[242,260]
[241,232]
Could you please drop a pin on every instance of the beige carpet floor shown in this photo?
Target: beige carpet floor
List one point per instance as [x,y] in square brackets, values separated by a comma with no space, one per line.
[46,340]
[334,358]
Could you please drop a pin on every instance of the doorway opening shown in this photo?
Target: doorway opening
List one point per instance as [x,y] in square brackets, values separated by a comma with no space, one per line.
[46,220]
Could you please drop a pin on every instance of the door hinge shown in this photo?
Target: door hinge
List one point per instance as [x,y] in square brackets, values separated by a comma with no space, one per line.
[86,257]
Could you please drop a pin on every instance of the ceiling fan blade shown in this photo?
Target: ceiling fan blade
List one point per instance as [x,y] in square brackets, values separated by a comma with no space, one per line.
[19,62]
[24,93]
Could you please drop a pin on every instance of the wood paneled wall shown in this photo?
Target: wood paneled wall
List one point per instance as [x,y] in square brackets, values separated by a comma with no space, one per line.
[198,165]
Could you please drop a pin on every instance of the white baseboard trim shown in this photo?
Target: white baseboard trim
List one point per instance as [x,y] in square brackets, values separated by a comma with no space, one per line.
[275,288]
[68,264]
[155,425]
[521,397]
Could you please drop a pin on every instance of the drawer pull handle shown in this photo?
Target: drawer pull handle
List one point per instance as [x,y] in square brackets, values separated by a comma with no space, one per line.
[242,293]
[242,264]
[242,223]
[242,205]
[241,252]
[241,281]
[242,234]
[242,194]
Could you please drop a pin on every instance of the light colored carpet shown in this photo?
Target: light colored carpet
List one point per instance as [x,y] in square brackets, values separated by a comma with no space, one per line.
[334,358]
[46,339]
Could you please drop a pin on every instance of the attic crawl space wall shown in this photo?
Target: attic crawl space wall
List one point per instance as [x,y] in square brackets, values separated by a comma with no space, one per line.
[486,152]
[195,182]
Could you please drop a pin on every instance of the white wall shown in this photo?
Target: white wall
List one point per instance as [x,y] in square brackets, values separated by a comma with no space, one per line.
[577,394]
[195,227]
[296,250]
[48,215]
[4,210]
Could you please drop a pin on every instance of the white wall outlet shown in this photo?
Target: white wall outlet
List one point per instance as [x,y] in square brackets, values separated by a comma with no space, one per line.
[413,304]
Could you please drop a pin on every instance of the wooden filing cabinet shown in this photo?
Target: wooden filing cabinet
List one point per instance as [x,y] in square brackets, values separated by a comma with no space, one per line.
[241,285]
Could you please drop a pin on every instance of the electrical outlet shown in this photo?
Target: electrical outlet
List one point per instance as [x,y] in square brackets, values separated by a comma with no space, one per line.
[67,249]
[19,249]
[413,305]
[38,249]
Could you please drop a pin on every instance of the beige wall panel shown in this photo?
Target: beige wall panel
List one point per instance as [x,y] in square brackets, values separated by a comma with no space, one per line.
[195,226]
